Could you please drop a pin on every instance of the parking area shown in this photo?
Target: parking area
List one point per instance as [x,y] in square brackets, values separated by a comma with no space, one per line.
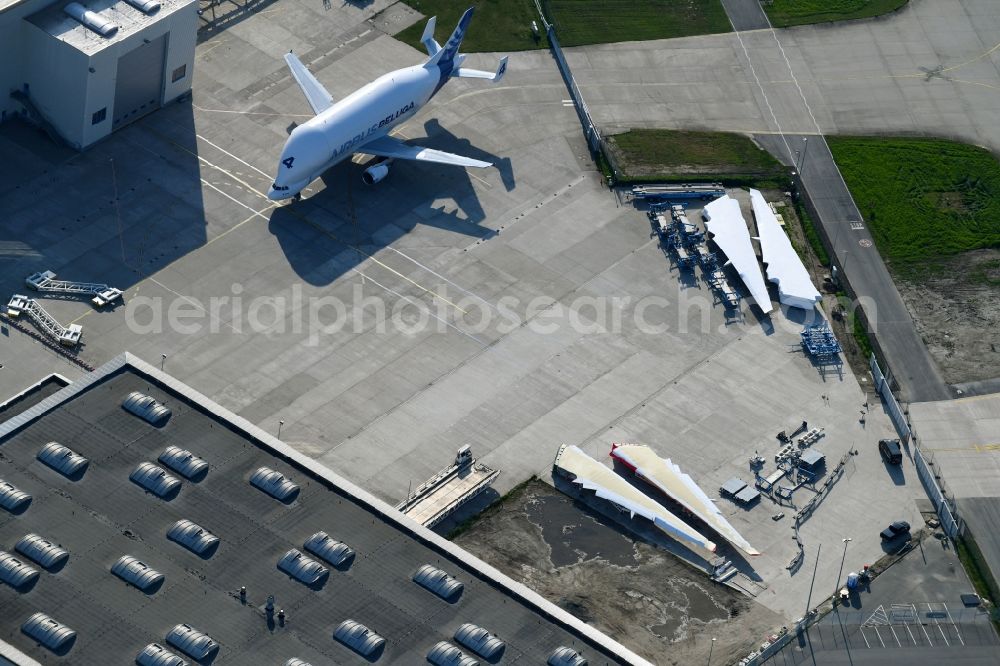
[912,613]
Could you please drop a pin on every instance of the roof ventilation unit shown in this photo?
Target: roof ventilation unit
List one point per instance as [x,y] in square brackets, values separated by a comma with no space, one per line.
[303,568]
[61,459]
[480,641]
[195,644]
[360,638]
[156,480]
[155,654]
[146,408]
[147,7]
[54,635]
[445,654]
[274,484]
[137,574]
[16,573]
[12,498]
[194,537]
[564,656]
[335,552]
[185,463]
[438,582]
[99,24]
[295,661]
[46,554]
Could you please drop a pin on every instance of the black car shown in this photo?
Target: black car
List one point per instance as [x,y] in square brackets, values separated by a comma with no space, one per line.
[891,451]
[895,529]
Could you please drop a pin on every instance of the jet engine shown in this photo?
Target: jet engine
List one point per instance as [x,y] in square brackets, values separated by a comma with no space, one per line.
[376,173]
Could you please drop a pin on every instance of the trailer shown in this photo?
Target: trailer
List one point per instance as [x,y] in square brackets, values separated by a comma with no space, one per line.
[442,494]
[684,258]
[739,491]
[703,191]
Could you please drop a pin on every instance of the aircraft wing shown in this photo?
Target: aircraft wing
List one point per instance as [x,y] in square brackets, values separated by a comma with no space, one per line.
[388,147]
[319,99]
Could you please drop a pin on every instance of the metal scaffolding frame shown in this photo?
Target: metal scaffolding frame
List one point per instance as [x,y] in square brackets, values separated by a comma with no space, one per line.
[66,335]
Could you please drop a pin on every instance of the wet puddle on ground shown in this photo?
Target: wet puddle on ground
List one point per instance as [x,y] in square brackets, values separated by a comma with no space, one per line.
[575,536]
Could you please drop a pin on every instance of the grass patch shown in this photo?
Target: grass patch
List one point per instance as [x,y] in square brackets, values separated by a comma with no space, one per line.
[512,495]
[505,25]
[855,325]
[812,234]
[924,199]
[784,13]
[645,155]
[975,567]
[498,25]
[861,336]
[580,22]
[986,273]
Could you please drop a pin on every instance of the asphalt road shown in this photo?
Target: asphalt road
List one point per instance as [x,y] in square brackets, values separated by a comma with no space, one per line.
[930,580]
[889,321]
[746,14]
[911,364]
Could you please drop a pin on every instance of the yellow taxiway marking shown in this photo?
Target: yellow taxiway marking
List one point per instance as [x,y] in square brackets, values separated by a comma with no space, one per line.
[977,448]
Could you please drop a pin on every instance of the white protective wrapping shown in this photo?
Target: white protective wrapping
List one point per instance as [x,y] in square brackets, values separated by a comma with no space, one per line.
[668,478]
[592,475]
[784,268]
[729,231]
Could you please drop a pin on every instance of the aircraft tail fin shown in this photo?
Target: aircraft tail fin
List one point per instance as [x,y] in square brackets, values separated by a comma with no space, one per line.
[445,58]
[428,37]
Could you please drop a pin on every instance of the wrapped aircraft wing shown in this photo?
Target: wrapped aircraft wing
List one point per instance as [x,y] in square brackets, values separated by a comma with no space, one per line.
[784,268]
[592,475]
[729,231]
[668,478]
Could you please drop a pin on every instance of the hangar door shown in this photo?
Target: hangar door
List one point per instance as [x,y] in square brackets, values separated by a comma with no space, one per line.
[139,86]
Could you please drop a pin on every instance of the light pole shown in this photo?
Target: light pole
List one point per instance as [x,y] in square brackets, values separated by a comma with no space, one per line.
[710,650]
[841,573]
[280,423]
[163,359]
[813,582]
[805,147]
[836,604]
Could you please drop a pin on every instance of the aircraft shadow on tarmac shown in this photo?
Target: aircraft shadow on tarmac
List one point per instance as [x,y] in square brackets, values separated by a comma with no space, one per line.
[356,220]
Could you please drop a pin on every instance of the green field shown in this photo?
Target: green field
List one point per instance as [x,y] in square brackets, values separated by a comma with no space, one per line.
[498,25]
[923,199]
[580,22]
[784,13]
[666,155]
[505,25]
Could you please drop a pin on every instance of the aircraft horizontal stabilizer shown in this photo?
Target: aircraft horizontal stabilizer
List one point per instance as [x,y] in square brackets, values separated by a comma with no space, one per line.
[389,147]
[479,74]
[319,99]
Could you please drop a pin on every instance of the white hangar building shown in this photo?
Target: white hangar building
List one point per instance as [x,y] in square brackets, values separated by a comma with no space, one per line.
[84,68]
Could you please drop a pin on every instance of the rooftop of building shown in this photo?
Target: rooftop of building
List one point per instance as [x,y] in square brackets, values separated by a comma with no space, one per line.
[103,515]
[127,18]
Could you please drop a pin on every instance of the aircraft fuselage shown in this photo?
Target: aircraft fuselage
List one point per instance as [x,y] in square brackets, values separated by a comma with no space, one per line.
[343,129]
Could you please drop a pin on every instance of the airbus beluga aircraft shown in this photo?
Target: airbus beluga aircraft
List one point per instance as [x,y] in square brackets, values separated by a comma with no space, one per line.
[360,123]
